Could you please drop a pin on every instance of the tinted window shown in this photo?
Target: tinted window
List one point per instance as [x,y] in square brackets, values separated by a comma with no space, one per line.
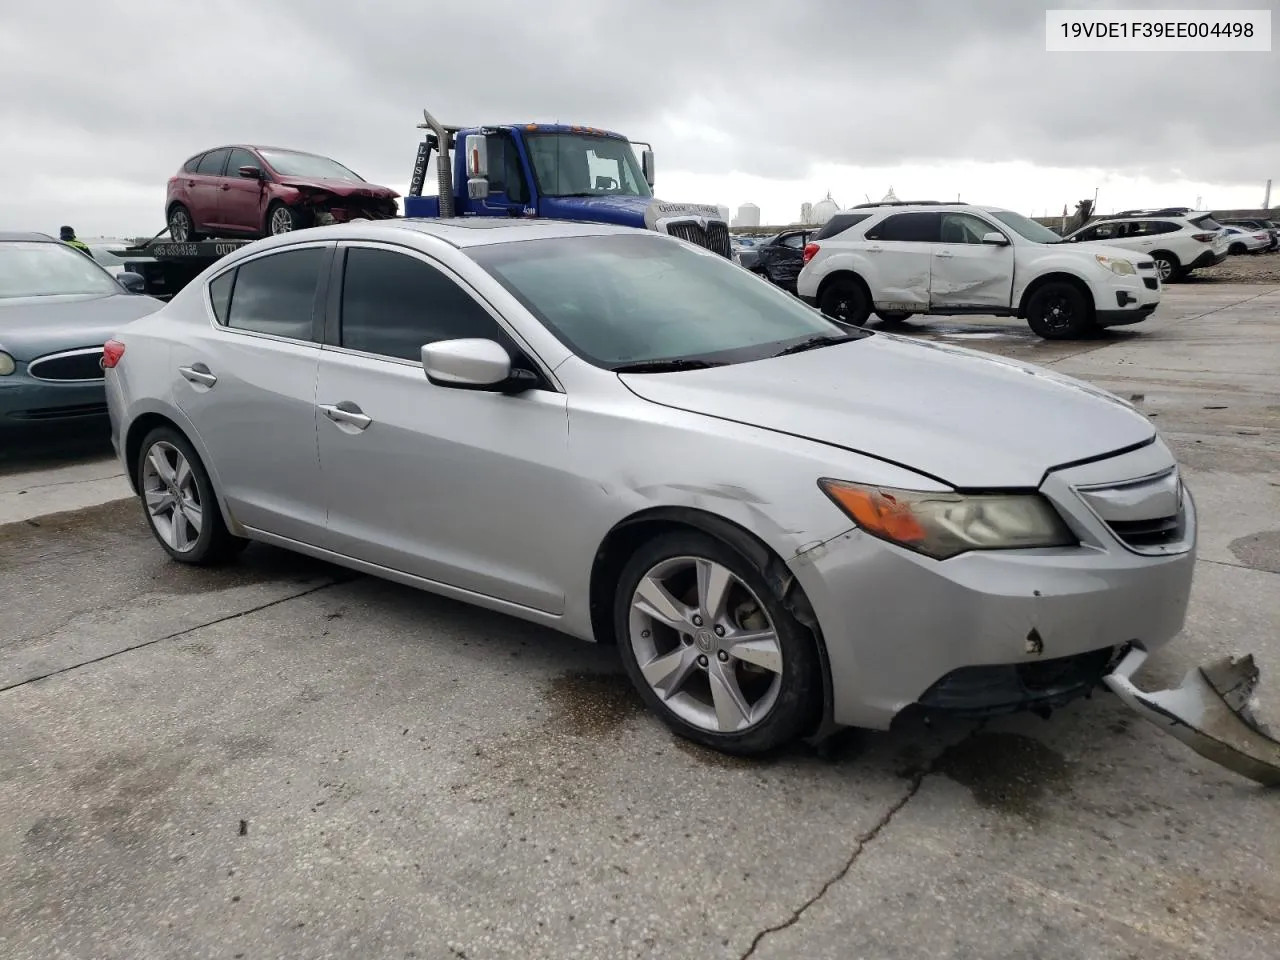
[1103,231]
[839,223]
[211,164]
[190,165]
[795,241]
[220,294]
[276,294]
[392,304]
[908,227]
[241,158]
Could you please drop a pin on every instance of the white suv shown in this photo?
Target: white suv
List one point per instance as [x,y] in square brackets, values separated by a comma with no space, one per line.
[1178,240]
[899,259]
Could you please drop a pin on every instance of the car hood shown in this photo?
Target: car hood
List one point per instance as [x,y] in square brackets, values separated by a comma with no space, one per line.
[624,211]
[33,326]
[966,418]
[342,188]
[1102,248]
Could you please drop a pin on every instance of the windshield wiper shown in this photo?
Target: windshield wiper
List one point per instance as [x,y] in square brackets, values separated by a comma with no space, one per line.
[822,340]
[663,366]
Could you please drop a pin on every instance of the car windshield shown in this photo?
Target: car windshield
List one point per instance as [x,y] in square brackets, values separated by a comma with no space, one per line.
[621,300]
[289,164]
[44,269]
[1025,227]
[581,165]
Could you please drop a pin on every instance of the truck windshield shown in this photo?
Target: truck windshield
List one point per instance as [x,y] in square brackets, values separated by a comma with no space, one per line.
[625,300]
[289,164]
[581,165]
[42,269]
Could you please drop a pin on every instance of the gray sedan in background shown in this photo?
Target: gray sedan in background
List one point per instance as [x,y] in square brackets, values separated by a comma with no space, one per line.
[784,524]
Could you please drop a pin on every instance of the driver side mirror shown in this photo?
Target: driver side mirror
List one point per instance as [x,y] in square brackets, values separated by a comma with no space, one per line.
[474,364]
[646,165]
[995,238]
[250,172]
[133,282]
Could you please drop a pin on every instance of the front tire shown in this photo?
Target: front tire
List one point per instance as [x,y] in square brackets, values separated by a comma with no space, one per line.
[1060,311]
[178,500]
[711,649]
[282,218]
[845,299]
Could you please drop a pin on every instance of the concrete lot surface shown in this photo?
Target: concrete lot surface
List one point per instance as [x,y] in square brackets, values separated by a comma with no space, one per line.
[284,760]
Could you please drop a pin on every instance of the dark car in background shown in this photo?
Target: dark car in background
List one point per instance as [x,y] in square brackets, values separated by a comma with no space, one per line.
[57,310]
[779,258]
[250,192]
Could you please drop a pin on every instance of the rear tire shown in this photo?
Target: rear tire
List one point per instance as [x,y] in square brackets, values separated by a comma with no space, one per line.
[766,694]
[845,299]
[1059,311]
[182,226]
[179,503]
[1237,249]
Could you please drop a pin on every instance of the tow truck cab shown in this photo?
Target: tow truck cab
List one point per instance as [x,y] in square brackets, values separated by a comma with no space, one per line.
[556,171]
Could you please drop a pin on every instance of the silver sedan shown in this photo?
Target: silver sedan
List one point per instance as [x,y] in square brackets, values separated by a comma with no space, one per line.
[784,524]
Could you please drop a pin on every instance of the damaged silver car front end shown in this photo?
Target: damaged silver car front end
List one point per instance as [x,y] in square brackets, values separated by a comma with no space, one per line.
[1212,712]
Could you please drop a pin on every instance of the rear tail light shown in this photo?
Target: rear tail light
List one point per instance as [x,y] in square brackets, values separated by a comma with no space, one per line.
[112,351]
[1204,237]
[810,250]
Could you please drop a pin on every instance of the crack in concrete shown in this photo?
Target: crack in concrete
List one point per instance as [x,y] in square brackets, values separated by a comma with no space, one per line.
[180,633]
[860,844]
[1237,566]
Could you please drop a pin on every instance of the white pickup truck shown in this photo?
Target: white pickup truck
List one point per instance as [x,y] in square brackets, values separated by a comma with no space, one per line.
[900,259]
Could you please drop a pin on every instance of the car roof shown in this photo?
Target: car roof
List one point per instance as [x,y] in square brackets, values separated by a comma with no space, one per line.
[13,236]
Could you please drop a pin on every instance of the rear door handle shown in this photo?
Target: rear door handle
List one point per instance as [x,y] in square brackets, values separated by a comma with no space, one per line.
[198,373]
[348,413]
[944,255]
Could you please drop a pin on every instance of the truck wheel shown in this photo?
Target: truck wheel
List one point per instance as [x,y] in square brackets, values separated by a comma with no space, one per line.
[282,219]
[1059,311]
[892,316]
[182,227]
[846,300]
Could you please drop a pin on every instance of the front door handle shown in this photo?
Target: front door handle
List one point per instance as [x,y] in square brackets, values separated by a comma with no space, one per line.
[944,255]
[346,412]
[198,373]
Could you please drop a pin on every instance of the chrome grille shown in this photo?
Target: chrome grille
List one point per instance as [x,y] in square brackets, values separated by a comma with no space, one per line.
[714,237]
[1147,515]
[69,365]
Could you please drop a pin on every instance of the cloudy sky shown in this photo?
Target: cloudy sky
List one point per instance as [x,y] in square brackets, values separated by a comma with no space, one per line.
[743,100]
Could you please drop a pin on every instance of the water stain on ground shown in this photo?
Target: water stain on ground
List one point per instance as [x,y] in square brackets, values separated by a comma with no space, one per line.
[1259,551]
[1007,772]
[591,704]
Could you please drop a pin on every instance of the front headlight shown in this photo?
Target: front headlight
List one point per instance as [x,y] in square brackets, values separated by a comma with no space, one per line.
[942,525]
[1117,266]
[7,364]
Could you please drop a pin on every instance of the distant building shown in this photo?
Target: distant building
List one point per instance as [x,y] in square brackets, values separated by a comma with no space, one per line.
[748,216]
[724,212]
[889,197]
[806,213]
[824,209]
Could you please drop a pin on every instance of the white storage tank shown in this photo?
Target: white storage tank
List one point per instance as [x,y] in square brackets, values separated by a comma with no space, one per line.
[748,215]
[825,209]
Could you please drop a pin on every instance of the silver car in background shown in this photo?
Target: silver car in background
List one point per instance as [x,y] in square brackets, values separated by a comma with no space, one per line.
[785,524]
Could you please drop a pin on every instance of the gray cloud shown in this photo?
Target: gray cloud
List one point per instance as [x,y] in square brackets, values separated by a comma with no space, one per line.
[106,99]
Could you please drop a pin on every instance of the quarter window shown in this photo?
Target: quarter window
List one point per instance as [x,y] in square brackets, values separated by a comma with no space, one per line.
[220,294]
[393,304]
[276,294]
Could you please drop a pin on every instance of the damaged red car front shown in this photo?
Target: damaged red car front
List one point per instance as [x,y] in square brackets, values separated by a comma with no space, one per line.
[250,191]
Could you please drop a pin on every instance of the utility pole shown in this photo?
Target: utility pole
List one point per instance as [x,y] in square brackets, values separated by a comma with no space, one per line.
[1266,200]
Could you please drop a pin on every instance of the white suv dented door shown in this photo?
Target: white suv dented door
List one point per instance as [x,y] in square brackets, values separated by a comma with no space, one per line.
[965,272]
[898,251]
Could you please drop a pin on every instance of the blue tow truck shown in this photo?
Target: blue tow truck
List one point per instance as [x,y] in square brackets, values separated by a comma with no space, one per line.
[557,171]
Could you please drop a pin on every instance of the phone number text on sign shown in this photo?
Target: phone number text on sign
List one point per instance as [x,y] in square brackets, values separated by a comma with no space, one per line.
[1116,31]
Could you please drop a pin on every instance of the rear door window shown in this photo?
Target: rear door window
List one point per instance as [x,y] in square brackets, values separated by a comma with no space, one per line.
[908,228]
[276,294]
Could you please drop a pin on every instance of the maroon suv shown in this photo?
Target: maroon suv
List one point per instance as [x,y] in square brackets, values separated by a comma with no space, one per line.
[243,191]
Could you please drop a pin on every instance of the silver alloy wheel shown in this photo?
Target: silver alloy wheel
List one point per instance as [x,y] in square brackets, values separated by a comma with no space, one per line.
[281,221]
[172,497]
[1164,268]
[705,644]
[179,226]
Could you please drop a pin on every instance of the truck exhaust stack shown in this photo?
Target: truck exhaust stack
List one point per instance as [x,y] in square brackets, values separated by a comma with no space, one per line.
[1211,712]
